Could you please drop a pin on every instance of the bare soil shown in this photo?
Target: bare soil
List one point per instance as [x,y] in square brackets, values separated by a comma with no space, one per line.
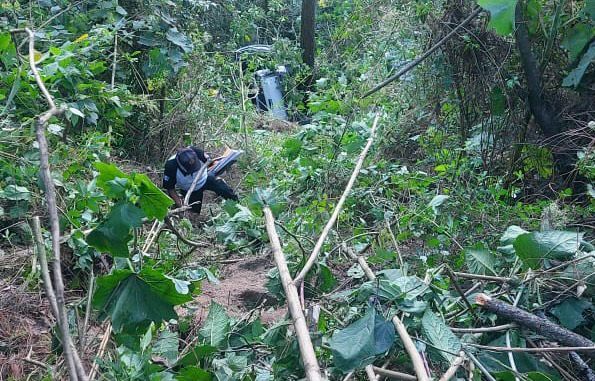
[242,289]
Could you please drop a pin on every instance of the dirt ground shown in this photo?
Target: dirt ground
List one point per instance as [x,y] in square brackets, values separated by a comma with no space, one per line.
[242,289]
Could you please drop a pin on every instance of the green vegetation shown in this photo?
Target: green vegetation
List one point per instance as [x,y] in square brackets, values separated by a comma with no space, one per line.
[480,180]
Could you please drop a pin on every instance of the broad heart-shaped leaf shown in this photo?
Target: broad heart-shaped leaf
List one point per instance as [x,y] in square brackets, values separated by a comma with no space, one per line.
[573,79]
[576,39]
[216,328]
[554,244]
[480,260]
[179,39]
[107,173]
[152,200]
[440,336]
[501,14]
[508,238]
[357,344]
[113,234]
[133,301]
[570,312]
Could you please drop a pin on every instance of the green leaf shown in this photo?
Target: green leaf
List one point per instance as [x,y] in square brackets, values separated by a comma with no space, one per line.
[357,344]
[576,39]
[113,234]
[216,328]
[437,201]
[133,301]
[107,172]
[480,260]
[196,354]
[573,79]
[179,39]
[554,244]
[15,193]
[570,312]
[152,200]
[166,346]
[193,373]
[501,14]
[440,336]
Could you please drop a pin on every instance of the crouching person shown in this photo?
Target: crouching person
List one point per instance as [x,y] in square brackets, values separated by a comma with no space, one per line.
[179,173]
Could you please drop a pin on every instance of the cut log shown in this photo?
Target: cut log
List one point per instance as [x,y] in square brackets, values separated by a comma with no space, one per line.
[541,326]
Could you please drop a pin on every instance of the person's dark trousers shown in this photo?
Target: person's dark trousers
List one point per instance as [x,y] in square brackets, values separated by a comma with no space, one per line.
[213,184]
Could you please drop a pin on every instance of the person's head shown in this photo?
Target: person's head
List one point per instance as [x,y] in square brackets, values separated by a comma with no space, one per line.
[187,160]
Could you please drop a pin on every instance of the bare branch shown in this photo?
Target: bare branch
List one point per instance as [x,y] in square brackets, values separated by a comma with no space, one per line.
[310,262]
[293,302]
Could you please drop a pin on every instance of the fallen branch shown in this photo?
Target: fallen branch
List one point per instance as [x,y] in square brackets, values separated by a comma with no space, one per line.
[497,328]
[454,367]
[293,303]
[585,369]
[416,360]
[327,228]
[102,347]
[541,326]
[489,278]
[533,350]
[73,363]
[425,55]
[361,261]
[393,375]
[197,177]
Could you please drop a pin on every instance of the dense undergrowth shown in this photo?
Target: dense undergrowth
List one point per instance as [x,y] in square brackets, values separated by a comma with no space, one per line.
[461,186]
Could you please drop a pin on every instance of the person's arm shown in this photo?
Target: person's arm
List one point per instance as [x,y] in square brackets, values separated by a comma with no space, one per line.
[169,181]
[175,196]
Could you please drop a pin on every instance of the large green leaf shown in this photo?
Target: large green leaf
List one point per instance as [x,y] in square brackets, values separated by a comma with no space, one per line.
[570,312]
[501,14]
[166,346]
[133,301]
[15,193]
[573,79]
[113,234]
[357,344]
[554,244]
[108,173]
[193,373]
[180,39]
[576,39]
[196,354]
[152,200]
[440,336]
[216,328]
[480,261]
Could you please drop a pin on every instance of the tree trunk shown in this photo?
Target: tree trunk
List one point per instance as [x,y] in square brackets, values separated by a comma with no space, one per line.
[307,38]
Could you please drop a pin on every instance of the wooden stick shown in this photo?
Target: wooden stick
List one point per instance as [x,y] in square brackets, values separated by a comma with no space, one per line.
[541,326]
[416,360]
[497,328]
[454,367]
[590,350]
[293,302]
[74,365]
[327,228]
[197,177]
[361,261]
[394,375]
[489,278]
[102,347]
[425,55]
[370,373]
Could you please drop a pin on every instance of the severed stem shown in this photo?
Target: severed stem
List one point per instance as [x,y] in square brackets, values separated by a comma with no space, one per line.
[325,232]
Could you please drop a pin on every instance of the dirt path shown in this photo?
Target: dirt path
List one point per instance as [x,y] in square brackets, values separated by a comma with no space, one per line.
[241,289]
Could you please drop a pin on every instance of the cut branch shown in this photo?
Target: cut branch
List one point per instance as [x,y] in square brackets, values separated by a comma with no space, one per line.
[393,375]
[302,274]
[199,174]
[454,367]
[293,302]
[541,326]
[74,365]
[425,55]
